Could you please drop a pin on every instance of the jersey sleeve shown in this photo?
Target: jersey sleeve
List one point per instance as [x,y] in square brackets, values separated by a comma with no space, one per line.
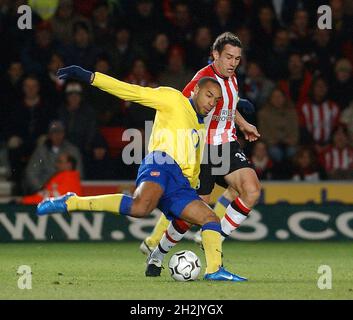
[157,98]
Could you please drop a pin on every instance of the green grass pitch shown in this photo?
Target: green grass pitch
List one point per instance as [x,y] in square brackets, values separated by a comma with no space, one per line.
[116,271]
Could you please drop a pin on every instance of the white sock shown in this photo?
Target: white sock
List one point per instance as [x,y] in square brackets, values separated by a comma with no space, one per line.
[171,237]
[236,213]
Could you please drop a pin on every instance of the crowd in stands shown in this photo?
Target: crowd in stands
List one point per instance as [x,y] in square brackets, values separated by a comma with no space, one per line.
[299,78]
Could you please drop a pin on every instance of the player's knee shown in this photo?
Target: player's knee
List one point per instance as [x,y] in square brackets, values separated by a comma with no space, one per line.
[141,208]
[211,217]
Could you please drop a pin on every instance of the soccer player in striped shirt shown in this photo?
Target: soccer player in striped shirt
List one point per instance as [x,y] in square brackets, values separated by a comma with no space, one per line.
[239,179]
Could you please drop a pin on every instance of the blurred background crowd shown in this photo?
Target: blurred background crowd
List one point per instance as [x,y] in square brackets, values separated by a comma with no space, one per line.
[298,77]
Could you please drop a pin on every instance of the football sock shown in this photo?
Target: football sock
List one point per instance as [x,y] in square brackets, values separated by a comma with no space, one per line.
[114,203]
[236,213]
[212,244]
[221,206]
[170,238]
[158,231]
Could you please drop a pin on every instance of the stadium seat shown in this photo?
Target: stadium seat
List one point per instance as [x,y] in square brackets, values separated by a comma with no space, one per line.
[113,136]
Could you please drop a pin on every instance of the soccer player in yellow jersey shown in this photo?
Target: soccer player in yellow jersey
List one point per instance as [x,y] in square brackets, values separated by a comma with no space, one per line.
[168,175]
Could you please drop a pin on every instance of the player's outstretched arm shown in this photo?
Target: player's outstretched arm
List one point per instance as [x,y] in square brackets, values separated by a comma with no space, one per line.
[156,98]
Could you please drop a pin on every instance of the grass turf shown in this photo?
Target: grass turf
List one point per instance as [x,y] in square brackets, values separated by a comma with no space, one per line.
[116,271]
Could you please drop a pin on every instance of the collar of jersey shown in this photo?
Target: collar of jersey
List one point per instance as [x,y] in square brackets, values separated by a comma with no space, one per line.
[217,73]
[200,118]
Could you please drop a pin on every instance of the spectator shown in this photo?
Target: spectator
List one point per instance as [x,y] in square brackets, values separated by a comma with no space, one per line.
[102,24]
[82,52]
[139,74]
[341,22]
[176,75]
[321,54]
[279,127]
[99,165]
[106,106]
[262,162]
[183,23]
[264,27]
[11,88]
[158,54]
[296,86]
[26,124]
[37,53]
[257,87]
[63,21]
[276,60]
[78,118]
[300,32]
[318,116]
[305,166]
[337,158]
[223,20]
[248,52]
[66,179]
[135,114]
[146,22]
[347,120]
[53,87]
[199,53]
[122,51]
[342,87]
[41,165]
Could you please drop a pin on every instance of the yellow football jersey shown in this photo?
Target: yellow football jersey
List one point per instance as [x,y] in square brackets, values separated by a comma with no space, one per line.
[177,129]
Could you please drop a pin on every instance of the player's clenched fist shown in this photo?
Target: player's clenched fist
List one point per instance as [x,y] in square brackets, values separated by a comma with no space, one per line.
[76,73]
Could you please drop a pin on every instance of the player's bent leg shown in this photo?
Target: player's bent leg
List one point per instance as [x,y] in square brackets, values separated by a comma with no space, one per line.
[197,212]
[151,242]
[219,208]
[145,199]
[174,233]
[223,201]
[245,181]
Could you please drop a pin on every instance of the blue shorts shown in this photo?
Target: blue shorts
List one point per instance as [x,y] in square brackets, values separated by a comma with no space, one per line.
[160,168]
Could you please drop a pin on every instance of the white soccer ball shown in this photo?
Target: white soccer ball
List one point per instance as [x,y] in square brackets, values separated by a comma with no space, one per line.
[184,266]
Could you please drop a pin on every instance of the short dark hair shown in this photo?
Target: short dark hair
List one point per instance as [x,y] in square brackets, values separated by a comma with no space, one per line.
[224,39]
[73,161]
[205,80]
[70,158]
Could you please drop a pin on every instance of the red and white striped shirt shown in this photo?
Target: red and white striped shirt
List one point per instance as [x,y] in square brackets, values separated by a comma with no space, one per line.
[333,158]
[219,122]
[320,120]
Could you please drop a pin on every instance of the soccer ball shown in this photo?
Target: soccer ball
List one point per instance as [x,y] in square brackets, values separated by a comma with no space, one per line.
[184,266]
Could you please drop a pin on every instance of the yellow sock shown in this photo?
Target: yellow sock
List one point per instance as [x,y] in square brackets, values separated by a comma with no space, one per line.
[221,206]
[114,203]
[212,244]
[158,231]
